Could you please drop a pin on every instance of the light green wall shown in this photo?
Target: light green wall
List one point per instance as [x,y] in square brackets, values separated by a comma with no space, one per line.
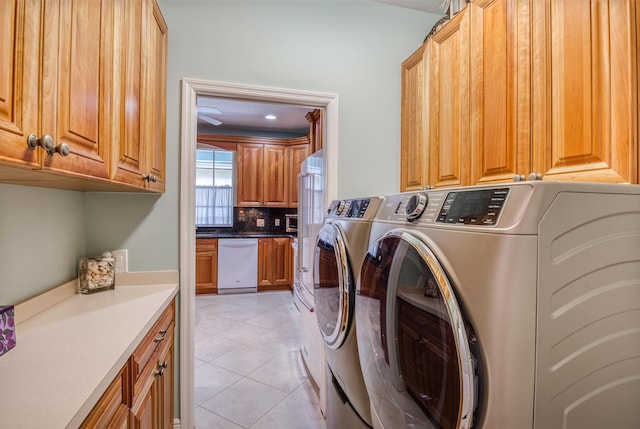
[42,235]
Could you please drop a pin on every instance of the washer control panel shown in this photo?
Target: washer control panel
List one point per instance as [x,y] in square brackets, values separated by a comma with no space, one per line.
[480,207]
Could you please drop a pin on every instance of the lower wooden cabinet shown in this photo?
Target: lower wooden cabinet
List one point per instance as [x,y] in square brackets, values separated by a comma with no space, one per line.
[206,265]
[112,410]
[275,263]
[141,396]
[153,367]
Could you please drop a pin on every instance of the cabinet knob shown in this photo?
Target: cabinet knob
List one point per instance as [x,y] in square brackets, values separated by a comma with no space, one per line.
[518,178]
[150,177]
[63,149]
[535,176]
[160,372]
[45,142]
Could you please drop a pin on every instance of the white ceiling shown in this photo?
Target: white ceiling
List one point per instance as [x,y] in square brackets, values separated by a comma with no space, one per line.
[233,116]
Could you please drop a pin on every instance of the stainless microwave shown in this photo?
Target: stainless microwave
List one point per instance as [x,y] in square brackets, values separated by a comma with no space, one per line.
[291,222]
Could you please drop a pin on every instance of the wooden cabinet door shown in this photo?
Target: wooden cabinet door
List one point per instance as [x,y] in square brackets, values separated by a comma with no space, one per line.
[164,386]
[500,90]
[76,67]
[142,412]
[449,116]
[281,261]
[275,263]
[276,176]
[585,99]
[19,38]
[250,174]
[155,94]
[297,154]
[414,143]
[206,265]
[126,156]
[265,267]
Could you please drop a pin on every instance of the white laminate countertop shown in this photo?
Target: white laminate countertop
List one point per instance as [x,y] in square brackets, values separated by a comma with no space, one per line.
[68,354]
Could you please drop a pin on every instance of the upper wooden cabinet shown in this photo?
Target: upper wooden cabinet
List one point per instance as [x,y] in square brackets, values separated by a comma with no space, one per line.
[414,142]
[76,75]
[139,151]
[500,91]
[266,169]
[297,154]
[585,90]
[448,98]
[75,68]
[519,87]
[19,37]
[155,96]
[275,181]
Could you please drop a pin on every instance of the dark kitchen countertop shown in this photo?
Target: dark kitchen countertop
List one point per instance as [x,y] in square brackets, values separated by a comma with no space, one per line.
[242,234]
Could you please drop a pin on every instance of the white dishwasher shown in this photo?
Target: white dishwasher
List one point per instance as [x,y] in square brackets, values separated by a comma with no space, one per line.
[237,265]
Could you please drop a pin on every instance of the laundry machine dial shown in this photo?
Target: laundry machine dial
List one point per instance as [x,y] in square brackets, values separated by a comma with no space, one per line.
[415,206]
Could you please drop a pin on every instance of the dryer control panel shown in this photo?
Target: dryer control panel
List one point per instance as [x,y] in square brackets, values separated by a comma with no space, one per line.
[477,207]
[360,208]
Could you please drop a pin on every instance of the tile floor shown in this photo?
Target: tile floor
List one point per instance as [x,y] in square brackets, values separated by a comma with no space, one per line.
[248,369]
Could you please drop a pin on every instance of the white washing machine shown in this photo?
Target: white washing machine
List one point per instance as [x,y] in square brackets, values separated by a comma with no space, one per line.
[504,306]
[340,248]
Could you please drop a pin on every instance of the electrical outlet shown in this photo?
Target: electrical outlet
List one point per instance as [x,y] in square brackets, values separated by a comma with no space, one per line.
[277,222]
[260,223]
[121,258]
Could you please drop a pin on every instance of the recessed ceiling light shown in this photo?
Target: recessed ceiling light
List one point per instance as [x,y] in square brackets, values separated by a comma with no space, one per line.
[271,117]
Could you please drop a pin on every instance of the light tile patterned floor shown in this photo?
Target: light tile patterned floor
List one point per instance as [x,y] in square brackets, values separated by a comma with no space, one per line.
[248,369]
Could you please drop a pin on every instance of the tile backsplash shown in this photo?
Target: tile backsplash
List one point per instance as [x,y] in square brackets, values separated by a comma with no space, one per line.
[247,219]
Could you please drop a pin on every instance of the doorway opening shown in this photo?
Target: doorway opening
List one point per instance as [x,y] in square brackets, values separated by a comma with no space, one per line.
[191,89]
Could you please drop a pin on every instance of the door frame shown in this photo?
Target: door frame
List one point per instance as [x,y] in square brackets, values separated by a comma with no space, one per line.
[191,88]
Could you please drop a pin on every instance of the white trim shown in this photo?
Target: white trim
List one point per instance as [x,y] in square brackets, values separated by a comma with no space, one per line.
[188,136]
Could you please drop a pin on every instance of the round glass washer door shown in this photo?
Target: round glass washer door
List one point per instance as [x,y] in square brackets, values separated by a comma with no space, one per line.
[413,343]
[334,287]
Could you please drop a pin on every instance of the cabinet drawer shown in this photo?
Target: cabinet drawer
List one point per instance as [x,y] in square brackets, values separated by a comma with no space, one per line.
[158,334]
[113,404]
[207,244]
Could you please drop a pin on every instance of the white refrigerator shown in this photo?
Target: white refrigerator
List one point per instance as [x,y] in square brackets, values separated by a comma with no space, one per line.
[311,212]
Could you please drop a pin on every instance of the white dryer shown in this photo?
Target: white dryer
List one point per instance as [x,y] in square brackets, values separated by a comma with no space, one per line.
[340,248]
[504,306]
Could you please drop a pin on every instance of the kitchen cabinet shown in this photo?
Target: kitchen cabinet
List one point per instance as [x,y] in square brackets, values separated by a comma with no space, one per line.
[112,410]
[585,90]
[448,100]
[139,143]
[67,118]
[267,174]
[275,176]
[297,154]
[500,90]
[552,89]
[152,369]
[414,142]
[275,263]
[59,99]
[206,265]
[19,36]
[262,178]
[141,395]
